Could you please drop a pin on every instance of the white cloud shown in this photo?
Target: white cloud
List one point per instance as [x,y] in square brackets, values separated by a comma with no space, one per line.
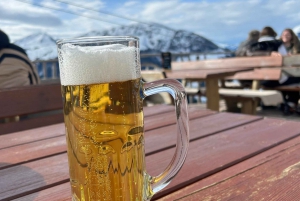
[24,13]
[18,30]
[19,21]
[221,21]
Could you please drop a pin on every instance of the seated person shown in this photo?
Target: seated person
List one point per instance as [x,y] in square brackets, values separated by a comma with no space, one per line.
[244,46]
[15,67]
[241,51]
[287,44]
[266,44]
[290,43]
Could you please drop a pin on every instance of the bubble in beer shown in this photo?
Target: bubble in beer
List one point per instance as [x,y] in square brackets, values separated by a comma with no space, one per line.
[97,64]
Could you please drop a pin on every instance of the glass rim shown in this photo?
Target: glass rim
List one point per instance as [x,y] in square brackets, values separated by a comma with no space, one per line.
[93,39]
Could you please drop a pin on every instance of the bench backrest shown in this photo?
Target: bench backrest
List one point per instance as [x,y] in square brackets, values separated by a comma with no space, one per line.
[236,62]
[38,105]
[292,60]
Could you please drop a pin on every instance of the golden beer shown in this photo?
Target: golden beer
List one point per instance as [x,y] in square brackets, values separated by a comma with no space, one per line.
[103,98]
[105,137]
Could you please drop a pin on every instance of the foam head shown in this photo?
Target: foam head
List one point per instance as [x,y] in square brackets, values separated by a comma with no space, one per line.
[97,64]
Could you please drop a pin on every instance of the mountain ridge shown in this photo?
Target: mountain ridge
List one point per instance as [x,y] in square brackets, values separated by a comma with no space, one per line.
[154,38]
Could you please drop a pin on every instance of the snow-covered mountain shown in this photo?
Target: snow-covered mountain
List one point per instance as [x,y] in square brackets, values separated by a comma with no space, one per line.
[154,38]
[230,47]
[39,46]
[158,38]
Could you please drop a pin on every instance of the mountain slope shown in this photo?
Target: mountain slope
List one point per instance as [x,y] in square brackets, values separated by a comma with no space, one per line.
[158,38]
[154,38]
[39,46]
[184,42]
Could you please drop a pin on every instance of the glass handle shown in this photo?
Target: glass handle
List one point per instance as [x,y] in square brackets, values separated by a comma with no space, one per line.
[176,90]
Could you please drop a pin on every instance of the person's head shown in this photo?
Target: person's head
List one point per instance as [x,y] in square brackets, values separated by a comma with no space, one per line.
[290,38]
[268,31]
[253,35]
[4,40]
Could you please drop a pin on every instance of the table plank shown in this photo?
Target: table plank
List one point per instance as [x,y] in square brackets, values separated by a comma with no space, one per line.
[22,137]
[269,176]
[232,171]
[202,74]
[241,62]
[206,156]
[258,74]
[157,109]
[27,136]
[199,128]
[169,118]
[60,192]
[50,146]
[32,151]
[33,176]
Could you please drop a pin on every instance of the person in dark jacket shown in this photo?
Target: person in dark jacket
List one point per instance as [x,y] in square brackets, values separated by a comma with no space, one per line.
[15,67]
[245,45]
[244,48]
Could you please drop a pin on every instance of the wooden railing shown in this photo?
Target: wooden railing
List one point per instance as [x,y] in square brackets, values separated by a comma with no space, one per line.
[48,69]
[188,56]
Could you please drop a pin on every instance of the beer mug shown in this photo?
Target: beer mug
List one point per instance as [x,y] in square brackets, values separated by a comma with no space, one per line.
[103,97]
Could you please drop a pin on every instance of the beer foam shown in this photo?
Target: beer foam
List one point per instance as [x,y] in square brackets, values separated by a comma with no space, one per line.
[97,64]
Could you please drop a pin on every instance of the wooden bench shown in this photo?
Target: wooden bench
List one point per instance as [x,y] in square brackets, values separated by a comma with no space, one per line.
[259,74]
[34,106]
[249,99]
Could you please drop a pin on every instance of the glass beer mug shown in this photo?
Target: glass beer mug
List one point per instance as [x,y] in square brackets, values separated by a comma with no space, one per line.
[103,110]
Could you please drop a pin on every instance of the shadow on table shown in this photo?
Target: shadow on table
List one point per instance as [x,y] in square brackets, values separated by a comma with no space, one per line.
[16,181]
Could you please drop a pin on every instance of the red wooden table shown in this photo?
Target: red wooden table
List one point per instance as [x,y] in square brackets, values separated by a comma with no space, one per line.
[231,157]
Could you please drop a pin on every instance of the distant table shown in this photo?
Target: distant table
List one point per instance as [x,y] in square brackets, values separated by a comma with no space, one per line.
[211,77]
[231,157]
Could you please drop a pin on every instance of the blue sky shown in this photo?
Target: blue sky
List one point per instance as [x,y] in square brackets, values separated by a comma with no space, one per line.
[222,21]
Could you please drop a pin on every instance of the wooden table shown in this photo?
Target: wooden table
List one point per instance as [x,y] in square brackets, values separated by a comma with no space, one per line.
[211,78]
[231,157]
